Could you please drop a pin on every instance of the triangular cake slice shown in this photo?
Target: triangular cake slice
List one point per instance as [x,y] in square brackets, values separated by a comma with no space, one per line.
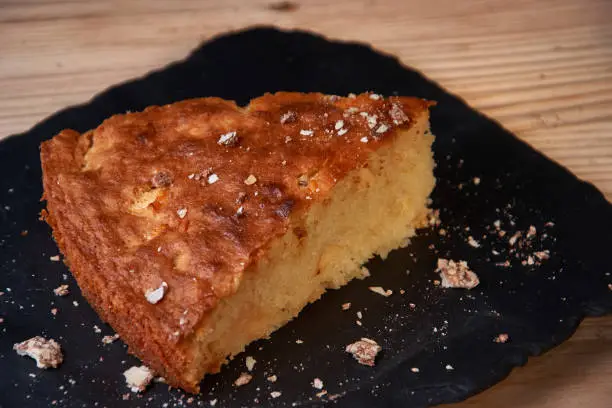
[197,227]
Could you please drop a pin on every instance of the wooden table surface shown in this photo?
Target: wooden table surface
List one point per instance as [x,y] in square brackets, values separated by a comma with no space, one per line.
[543,68]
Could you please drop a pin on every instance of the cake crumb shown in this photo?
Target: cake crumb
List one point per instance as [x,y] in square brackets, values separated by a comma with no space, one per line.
[364,139]
[287,117]
[47,353]
[244,379]
[155,295]
[53,312]
[212,179]
[476,181]
[456,274]
[298,341]
[449,367]
[364,351]
[346,306]
[54,258]
[250,180]
[61,290]
[275,394]
[339,124]
[472,242]
[138,378]
[109,339]
[379,290]
[501,338]
[181,212]
[306,132]
[250,363]
[272,378]
[321,394]
[317,383]
[415,369]
[213,402]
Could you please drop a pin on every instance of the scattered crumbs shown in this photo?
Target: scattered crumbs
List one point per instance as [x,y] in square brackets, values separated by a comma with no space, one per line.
[250,180]
[298,341]
[449,367]
[155,295]
[365,272]
[272,378]
[275,394]
[228,139]
[244,379]
[374,96]
[317,383]
[514,237]
[61,290]
[549,224]
[352,95]
[109,339]
[542,255]
[364,139]
[472,242]
[342,131]
[75,303]
[47,353]
[494,252]
[23,233]
[96,329]
[346,306]
[288,139]
[212,179]
[321,394]
[250,363]
[287,117]
[284,162]
[501,338]
[359,315]
[402,291]
[364,351]
[497,224]
[240,211]
[412,306]
[125,396]
[339,124]
[415,369]
[436,282]
[476,181]
[358,323]
[54,258]
[306,132]
[138,378]
[531,232]
[181,212]
[213,402]
[379,290]
[456,274]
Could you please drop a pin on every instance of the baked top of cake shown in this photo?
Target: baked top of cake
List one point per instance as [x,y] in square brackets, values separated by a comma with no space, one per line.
[172,204]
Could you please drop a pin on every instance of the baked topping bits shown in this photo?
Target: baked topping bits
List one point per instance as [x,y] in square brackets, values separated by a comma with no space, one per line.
[456,274]
[346,306]
[364,139]
[501,338]
[382,128]
[275,394]
[243,379]
[342,132]
[287,117]
[161,179]
[181,212]
[61,290]
[364,351]
[47,353]
[228,139]
[288,139]
[250,180]
[339,124]
[514,238]
[155,295]
[110,339]
[397,114]
[250,363]
[306,132]
[381,291]
[213,178]
[372,119]
[54,258]
[317,383]
[240,211]
[375,96]
[138,378]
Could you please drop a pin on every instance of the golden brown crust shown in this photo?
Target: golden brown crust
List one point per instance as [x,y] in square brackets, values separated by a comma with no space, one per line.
[165,195]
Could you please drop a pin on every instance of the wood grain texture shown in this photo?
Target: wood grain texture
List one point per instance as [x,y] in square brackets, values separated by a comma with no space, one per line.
[541,68]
